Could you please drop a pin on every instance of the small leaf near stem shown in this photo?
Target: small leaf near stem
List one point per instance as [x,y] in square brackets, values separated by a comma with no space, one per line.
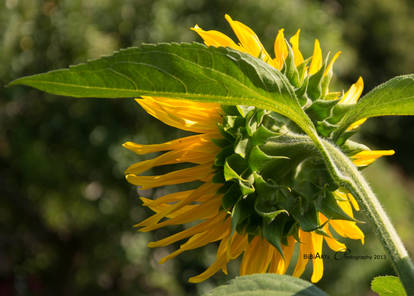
[387,286]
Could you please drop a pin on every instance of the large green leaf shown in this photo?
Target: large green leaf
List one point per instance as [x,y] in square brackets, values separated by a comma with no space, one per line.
[187,71]
[394,97]
[267,284]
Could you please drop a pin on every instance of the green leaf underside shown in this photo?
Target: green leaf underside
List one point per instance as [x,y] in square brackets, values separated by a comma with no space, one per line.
[388,286]
[394,97]
[184,71]
[267,284]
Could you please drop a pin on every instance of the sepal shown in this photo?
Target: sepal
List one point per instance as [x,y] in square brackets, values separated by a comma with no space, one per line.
[275,232]
[289,68]
[315,84]
[328,206]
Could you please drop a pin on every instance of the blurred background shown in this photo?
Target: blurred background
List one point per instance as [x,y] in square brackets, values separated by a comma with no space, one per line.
[66,212]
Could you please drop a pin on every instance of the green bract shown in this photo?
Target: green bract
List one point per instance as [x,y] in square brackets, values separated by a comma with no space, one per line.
[275,179]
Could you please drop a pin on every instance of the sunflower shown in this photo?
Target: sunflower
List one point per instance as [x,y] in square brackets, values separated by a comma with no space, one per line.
[263,188]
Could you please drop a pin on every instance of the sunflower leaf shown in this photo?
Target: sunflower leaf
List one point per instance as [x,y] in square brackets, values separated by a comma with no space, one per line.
[267,284]
[185,71]
[394,97]
[388,286]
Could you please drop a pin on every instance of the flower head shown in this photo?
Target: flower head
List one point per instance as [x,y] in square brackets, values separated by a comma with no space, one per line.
[264,187]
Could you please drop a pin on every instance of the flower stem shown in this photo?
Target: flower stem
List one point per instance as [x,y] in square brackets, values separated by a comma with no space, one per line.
[347,175]
[389,238]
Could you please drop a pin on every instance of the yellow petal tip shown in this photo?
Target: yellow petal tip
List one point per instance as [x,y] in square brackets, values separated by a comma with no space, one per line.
[127,144]
[196,28]
[195,279]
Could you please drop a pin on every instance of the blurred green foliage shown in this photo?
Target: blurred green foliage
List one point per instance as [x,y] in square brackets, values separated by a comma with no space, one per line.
[66,212]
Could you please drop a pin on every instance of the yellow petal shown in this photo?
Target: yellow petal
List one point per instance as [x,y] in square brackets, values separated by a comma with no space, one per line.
[205,188]
[223,250]
[184,209]
[330,240]
[190,116]
[340,195]
[356,124]
[199,228]
[248,39]
[200,142]
[333,244]
[276,262]
[288,252]
[264,257]
[167,199]
[317,263]
[347,229]
[238,244]
[171,157]
[280,49]
[346,207]
[353,201]
[305,248]
[215,38]
[248,253]
[365,158]
[172,198]
[316,63]
[195,208]
[200,172]
[189,214]
[279,264]
[202,239]
[257,257]
[195,107]
[294,40]
[351,97]
[330,65]
[210,271]
[353,93]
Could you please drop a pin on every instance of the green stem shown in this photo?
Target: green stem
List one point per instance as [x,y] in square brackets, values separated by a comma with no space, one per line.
[387,234]
[348,176]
